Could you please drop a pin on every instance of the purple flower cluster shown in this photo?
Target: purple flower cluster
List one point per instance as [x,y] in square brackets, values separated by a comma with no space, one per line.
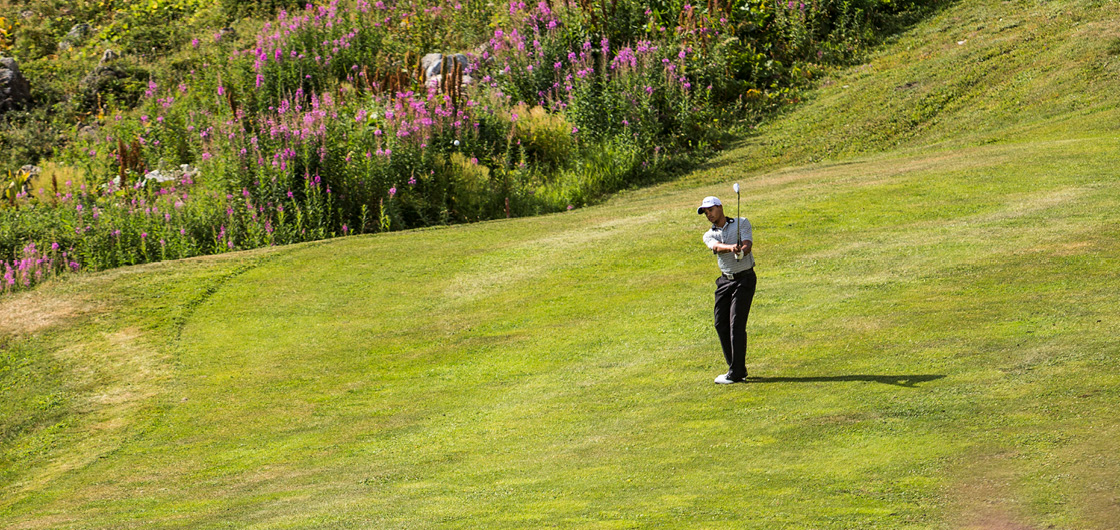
[297,143]
[33,266]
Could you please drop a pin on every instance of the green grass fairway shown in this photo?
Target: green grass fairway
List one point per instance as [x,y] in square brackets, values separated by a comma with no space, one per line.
[933,343]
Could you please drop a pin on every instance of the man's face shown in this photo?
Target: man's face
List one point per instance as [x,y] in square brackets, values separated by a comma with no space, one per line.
[713,213]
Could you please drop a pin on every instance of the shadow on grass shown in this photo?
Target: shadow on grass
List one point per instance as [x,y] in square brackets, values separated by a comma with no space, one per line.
[897,380]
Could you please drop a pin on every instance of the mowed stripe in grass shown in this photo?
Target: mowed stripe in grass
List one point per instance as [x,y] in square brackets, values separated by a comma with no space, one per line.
[932,344]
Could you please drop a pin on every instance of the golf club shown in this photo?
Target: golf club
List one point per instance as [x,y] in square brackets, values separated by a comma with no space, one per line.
[738,233]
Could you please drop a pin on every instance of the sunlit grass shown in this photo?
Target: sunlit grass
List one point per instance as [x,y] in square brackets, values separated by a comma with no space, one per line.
[932,345]
[558,369]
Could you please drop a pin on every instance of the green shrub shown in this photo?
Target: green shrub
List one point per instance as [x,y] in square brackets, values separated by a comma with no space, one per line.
[25,138]
[235,9]
[112,86]
[315,125]
[545,138]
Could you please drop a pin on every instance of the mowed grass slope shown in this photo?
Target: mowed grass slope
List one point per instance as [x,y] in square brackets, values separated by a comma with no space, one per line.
[974,74]
[933,344]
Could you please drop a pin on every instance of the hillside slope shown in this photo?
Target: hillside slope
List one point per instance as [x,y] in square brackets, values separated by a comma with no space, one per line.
[975,74]
[932,345]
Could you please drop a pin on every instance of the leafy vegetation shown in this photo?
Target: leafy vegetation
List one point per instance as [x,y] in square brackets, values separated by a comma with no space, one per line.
[193,131]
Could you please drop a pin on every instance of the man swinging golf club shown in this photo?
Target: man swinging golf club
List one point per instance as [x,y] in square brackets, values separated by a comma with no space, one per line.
[731,242]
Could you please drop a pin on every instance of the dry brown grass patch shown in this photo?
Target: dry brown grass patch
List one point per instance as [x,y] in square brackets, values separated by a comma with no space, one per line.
[985,499]
[32,312]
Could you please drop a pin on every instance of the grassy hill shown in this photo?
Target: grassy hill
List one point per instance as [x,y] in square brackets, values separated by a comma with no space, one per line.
[932,344]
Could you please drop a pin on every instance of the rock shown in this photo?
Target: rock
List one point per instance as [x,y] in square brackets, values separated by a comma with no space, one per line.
[15,91]
[185,172]
[162,177]
[89,131]
[432,64]
[110,82]
[188,170]
[78,32]
[31,170]
[75,36]
[430,61]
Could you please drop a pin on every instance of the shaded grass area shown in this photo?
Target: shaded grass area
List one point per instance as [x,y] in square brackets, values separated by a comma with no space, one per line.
[932,343]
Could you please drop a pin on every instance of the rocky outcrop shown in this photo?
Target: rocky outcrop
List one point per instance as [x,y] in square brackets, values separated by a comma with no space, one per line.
[75,36]
[107,56]
[89,132]
[185,171]
[122,86]
[432,63]
[15,91]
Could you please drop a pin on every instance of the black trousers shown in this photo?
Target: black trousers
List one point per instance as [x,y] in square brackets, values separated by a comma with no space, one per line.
[733,306]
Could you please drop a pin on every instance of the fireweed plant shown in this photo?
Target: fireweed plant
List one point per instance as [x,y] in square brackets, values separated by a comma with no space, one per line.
[325,125]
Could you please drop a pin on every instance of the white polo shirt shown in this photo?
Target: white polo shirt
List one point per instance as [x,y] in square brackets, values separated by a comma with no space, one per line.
[727,235]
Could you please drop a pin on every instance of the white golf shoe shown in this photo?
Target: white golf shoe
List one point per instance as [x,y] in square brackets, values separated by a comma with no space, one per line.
[725,379]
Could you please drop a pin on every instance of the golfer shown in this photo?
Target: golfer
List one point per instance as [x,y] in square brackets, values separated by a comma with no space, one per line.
[731,241]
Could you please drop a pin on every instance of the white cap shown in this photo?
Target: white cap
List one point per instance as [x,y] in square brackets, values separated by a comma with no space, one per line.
[708,203]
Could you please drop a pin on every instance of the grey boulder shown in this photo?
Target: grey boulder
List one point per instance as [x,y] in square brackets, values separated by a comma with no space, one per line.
[75,36]
[109,55]
[432,64]
[15,91]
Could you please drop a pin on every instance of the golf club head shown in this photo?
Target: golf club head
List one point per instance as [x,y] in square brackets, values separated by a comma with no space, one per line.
[736,187]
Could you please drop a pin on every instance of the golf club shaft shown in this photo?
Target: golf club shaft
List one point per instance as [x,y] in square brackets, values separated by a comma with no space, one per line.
[738,231]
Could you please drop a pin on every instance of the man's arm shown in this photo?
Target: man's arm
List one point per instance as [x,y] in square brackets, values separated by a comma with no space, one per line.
[722,248]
